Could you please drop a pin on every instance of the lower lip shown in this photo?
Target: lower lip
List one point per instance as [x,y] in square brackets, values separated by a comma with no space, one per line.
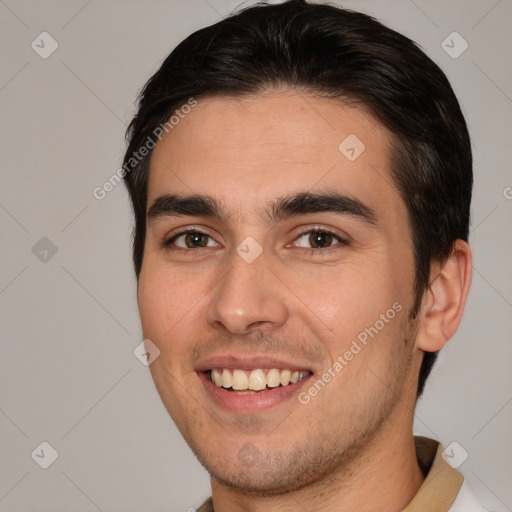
[253,402]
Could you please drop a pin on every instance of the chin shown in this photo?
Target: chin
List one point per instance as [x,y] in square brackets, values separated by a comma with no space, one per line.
[253,472]
[261,481]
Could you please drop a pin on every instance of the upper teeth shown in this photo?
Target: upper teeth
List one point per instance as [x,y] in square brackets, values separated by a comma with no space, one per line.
[255,380]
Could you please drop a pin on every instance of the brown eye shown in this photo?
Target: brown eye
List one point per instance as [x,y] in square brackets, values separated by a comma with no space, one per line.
[196,240]
[318,239]
[191,240]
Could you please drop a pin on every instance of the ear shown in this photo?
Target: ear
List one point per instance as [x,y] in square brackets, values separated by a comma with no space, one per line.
[444,301]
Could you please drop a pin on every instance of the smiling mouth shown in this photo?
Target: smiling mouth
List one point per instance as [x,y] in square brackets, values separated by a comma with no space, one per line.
[256,381]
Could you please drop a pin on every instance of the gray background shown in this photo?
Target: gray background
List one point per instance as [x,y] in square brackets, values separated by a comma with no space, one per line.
[69,324]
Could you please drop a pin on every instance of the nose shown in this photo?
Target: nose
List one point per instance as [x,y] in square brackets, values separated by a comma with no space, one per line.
[249,296]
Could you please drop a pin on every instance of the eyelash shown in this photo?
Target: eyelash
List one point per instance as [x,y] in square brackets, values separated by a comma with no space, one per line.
[341,241]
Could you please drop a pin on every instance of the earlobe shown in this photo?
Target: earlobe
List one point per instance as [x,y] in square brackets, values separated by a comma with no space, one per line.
[445,299]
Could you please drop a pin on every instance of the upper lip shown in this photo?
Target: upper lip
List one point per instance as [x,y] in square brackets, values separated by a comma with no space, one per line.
[252,362]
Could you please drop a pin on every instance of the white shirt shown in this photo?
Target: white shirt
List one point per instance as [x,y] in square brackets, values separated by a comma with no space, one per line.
[466,501]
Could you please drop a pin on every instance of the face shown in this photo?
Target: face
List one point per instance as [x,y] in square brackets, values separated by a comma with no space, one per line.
[278,264]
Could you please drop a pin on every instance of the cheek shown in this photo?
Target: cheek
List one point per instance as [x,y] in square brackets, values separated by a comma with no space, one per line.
[339,304]
[164,298]
[153,304]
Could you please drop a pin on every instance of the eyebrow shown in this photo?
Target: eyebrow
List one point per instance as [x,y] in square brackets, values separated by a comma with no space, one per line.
[285,207]
[170,205]
[306,202]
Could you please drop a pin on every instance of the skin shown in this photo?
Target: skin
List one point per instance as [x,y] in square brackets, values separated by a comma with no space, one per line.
[351,447]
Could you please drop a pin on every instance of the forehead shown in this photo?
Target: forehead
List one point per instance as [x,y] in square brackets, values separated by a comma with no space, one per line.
[248,150]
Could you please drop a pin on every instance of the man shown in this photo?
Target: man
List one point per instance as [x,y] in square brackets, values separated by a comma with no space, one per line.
[301,180]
